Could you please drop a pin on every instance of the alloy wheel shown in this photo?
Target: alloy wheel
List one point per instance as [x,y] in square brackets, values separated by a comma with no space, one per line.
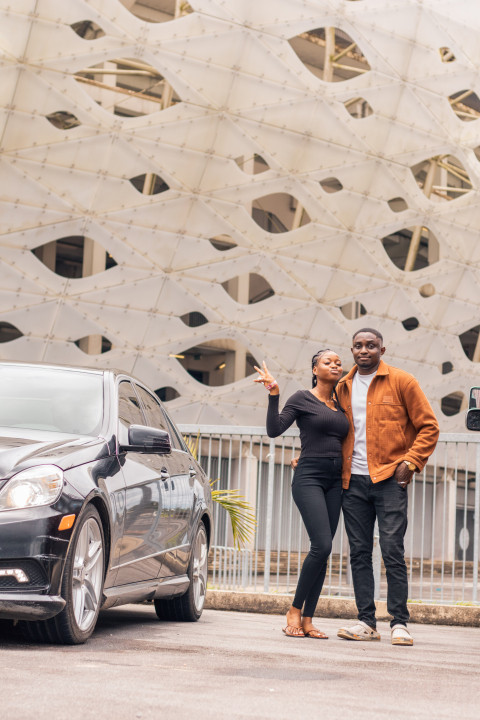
[199,569]
[87,574]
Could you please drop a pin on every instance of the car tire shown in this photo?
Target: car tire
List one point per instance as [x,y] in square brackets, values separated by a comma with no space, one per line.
[189,607]
[82,587]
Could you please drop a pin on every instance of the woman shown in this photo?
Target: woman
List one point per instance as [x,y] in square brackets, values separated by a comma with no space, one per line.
[317,482]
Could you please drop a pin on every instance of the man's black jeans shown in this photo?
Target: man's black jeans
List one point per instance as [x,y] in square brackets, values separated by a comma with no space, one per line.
[362,503]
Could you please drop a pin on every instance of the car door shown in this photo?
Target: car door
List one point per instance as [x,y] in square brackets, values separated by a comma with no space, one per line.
[181,483]
[182,502]
[147,499]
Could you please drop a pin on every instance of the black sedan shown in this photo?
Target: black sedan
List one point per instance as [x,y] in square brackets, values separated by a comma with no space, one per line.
[101,503]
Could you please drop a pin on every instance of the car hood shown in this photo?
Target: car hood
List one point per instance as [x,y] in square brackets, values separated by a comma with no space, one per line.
[20,449]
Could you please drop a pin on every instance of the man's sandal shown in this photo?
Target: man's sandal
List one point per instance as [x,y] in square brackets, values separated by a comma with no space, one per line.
[293,631]
[359,631]
[401,636]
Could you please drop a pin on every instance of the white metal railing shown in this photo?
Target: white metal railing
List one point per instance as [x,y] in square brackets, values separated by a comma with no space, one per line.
[441,544]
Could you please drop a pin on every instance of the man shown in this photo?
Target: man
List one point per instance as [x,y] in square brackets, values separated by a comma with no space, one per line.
[393,431]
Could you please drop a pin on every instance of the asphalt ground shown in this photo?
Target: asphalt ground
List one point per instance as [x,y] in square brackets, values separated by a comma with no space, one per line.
[239,665]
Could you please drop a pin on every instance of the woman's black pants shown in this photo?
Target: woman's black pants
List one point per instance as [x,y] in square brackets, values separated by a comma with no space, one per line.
[317,492]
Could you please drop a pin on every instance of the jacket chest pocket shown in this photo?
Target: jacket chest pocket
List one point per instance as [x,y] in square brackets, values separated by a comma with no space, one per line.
[389,408]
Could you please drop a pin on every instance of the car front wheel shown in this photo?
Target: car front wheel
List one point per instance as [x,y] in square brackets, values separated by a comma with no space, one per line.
[188,607]
[82,586]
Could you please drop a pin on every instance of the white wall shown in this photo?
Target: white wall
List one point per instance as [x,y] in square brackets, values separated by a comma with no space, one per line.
[243,91]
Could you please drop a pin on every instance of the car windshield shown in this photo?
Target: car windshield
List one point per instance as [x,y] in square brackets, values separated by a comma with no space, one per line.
[67,401]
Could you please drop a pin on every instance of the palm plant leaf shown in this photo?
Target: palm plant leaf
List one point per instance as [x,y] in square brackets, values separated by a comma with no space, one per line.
[241,514]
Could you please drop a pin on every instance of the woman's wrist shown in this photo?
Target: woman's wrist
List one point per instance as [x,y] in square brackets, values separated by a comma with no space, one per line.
[273,388]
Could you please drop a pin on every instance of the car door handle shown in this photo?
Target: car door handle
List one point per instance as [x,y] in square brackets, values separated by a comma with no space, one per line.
[192,472]
[164,474]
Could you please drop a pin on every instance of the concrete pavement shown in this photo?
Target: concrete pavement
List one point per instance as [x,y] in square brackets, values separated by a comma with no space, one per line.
[239,665]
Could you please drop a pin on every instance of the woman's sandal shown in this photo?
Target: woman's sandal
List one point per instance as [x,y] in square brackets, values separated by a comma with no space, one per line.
[316,634]
[293,631]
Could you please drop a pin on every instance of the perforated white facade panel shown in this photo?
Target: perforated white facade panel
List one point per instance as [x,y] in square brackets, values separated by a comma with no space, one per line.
[244,91]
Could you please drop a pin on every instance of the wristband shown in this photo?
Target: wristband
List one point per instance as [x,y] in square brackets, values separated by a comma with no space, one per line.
[272,385]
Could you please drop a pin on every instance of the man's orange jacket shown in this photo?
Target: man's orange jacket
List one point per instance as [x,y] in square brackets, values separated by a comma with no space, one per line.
[401,425]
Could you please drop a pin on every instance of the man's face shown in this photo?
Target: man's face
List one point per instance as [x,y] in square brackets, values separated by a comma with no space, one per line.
[367,351]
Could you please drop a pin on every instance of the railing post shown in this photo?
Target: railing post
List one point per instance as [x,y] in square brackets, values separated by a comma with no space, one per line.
[269,515]
[476,527]
[376,561]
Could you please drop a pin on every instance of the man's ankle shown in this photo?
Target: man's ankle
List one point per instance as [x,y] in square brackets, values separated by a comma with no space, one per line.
[372,626]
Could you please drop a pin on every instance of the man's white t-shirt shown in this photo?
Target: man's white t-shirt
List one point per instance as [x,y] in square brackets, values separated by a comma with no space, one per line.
[360,386]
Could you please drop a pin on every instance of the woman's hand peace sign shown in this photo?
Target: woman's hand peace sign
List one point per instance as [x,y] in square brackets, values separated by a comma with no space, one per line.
[266,378]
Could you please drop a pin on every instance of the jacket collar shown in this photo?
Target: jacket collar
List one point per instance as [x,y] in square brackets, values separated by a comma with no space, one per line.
[382,370]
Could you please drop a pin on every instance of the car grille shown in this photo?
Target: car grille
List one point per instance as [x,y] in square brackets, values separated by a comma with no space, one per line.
[32,569]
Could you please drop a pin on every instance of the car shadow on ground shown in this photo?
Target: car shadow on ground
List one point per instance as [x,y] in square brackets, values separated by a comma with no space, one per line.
[10,633]
[128,616]
[109,621]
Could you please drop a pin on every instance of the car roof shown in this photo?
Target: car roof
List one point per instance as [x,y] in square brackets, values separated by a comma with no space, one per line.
[53,366]
[113,372]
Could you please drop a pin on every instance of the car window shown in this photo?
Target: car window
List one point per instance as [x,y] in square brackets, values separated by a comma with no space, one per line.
[129,410]
[153,411]
[52,399]
[177,440]
[157,417]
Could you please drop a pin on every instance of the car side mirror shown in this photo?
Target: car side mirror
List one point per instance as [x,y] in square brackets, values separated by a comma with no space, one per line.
[472,418]
[145,439]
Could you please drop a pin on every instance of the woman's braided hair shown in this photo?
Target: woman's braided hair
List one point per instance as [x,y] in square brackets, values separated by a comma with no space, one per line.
[315,359]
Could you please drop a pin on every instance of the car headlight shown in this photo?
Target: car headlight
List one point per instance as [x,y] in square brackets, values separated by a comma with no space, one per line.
[39,485]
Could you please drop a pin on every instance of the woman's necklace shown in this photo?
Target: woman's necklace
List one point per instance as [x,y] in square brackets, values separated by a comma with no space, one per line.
[328,401]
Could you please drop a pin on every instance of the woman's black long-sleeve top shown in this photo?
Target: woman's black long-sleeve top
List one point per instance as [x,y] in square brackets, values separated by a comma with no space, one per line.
[321,428]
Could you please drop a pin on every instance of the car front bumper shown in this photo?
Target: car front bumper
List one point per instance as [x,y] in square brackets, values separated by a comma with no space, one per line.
[26,606]
[32,557]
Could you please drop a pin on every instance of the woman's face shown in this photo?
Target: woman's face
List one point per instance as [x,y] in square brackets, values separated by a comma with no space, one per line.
[328,367]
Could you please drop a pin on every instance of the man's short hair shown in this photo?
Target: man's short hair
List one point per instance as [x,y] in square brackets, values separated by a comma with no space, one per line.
[369,330]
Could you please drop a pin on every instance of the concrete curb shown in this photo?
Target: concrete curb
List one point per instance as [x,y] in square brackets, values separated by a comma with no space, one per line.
[344,608]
